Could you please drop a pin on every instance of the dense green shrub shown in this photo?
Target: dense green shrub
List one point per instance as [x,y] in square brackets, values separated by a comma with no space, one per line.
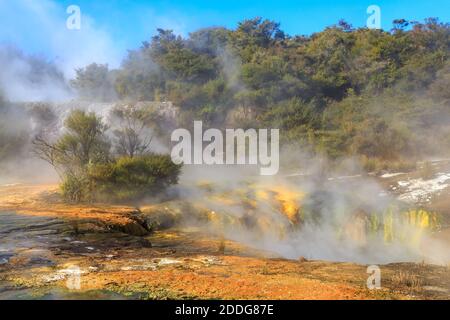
[89,171]
[76,189]
[127,179]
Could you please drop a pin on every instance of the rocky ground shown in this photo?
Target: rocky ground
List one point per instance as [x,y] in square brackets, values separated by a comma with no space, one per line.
[52,250]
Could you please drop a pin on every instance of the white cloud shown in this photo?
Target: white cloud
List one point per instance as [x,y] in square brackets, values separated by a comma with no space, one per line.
[40,27]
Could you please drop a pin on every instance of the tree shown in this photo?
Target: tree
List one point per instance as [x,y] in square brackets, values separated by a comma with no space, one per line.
[81,155]
[400,25]
[163,43]
[132,132]
[82,144]
[187,65]
[140,78]
[85,141]
[345,26]
[208,40]
[257,32]
[342,89]
[95,82]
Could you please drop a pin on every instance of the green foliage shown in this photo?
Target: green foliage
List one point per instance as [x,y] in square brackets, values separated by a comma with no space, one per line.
[132,133]
[140,78]
[95,82]
[345,91]
[263,73]
[293,113]
[76,189]
[128,179]
[252,34]
[83,143]
[185,65]
[88,170]
[439,89]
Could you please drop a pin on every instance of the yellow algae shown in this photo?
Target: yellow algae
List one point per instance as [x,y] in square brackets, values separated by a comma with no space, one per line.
[374,224]
[422,219]
[262,195]
[254,199]
[287,200]
[223,200]
[388,221]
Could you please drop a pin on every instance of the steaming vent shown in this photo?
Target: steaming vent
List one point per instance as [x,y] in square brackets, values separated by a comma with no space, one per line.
[321,224]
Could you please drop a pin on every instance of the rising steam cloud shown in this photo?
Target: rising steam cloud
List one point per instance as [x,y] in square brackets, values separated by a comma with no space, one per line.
[337,216]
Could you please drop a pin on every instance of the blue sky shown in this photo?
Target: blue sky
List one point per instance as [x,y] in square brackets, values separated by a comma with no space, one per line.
[128,17]
[110,27]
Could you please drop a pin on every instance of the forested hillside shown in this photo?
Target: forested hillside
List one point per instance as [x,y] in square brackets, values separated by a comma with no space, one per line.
[382,96]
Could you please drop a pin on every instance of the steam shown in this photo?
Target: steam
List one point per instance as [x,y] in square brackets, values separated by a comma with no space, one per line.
[27,78]
[254,210]
[18,125]
[31,77]
[231,67]
[68,49]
